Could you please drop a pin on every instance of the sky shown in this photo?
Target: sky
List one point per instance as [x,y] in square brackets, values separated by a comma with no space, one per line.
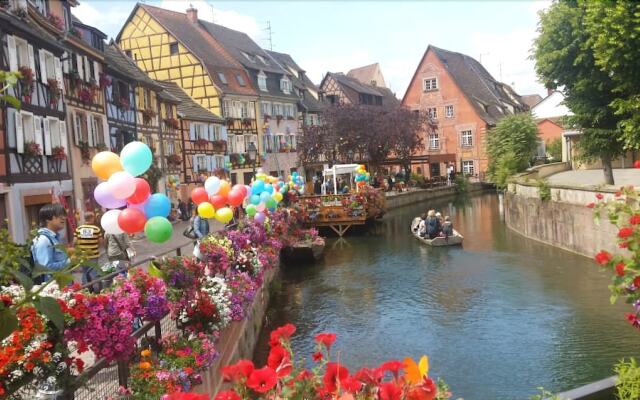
[335,36]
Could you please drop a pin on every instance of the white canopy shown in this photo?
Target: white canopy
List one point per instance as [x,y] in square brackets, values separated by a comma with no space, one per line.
[339,169]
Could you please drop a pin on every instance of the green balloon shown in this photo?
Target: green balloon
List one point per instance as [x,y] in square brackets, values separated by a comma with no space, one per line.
[270,203]
[251,210]
[158,229]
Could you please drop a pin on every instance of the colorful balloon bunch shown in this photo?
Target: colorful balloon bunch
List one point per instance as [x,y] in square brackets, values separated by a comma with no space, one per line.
[296,182]
[362,176]
[144,211]
[213,200]
[266,193]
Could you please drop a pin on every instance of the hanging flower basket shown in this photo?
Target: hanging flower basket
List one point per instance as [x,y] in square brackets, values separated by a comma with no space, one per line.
[104,81]
[58,153]
[54,91]
[147,116]
[172,123]
[26,79]
[32,149]
[56,21]
[202,142]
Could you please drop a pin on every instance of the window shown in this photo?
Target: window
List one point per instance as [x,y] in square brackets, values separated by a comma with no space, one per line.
[128,53]
[467,139]
[40,5]
[200,130]
[215,131]
[218,162]
[65,15]
[244,109]
[448,111]
[20,54]
[434,141]
[285,85]
[430,84]
[289,110]
[240,80]
[248,57]
[263,60]
[173,48]
[223,78]
[265,108]
[433,112]
[201,163]
[277,108]
[467,168]
[248,139]
[262,81]
[171,147]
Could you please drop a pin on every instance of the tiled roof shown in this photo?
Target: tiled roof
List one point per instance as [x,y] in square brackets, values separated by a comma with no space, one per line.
[213,55]
[273,85]
[187,107]
[30,27]
[166,96]
[487,95]
[531,99]
[310,103]
[286,61]
[388,98]
[367,74]
[119,62]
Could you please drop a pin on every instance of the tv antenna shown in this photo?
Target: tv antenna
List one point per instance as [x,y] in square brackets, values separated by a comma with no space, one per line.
[269,35]
[483,54]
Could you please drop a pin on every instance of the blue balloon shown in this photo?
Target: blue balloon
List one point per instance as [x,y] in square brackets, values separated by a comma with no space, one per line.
[257,187]
[136,158]
[264,196]
[268,188]
[158,205]
[254,199]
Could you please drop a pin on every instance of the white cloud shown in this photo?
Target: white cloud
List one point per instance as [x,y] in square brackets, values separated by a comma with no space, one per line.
[109,19]
[229,18]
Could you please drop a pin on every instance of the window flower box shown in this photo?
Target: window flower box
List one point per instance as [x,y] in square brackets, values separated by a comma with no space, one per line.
[32,149]
[172,123]
[229,121]
[85,153]
[75,32]
[54,91]
[104,81]
[26,79]
[122,103]
[174,160]
[202,142]
[59,153]
[219,146]
[56,21]
[147,116]
[85,95]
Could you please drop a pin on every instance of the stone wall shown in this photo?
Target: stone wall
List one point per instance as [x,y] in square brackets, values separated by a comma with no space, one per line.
[395,200]
[563,221]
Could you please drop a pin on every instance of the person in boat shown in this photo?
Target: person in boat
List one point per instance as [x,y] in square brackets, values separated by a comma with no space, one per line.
[422,226]
[433,224]
[447,227]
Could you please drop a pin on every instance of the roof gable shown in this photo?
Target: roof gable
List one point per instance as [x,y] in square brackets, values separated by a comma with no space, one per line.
[187,107]
[119,62]
[368,74]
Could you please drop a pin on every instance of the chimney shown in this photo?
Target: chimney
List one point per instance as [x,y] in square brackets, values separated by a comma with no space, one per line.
[550,90]
[192,14]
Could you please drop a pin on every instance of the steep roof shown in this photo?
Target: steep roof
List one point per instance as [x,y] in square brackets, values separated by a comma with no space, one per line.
[367,74]
[488,96]
[531,99]
[119,62]
[388,98]
[31,28]
[310,103]
[287,62]
[211,53]
[187,107]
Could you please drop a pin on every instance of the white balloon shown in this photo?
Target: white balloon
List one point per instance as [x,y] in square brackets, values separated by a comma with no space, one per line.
[109,222]
[122,184]
[212,185]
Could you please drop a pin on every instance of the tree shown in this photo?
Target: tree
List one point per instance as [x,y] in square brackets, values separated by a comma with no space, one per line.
[407,136]
[565,59]
[554,149]
[511,145]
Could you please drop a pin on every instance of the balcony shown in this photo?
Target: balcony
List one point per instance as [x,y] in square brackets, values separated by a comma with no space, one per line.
[84,94]
[241,124]
[239,160]
[28,167]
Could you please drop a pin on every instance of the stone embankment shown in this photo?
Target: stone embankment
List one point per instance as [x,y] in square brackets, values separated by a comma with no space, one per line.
[396,200]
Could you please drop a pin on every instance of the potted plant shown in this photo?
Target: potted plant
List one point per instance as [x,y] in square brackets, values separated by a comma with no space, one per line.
[54,91]
[123,103]
[172,123]
[104,81]
[147,115]
[59,153]
[26,79]
[32,149]
[219,145]
[174,160]
[200,142]
[84,152]
[85,95]
[75,32]
[101,147]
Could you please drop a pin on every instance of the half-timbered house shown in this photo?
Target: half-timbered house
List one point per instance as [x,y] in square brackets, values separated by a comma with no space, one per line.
[339,88]
[176,47]
[35,154]
[202,144]
[170,156]
[120,99]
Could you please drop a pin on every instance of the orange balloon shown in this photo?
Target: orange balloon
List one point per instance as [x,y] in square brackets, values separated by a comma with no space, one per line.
[225,188]
[105,163]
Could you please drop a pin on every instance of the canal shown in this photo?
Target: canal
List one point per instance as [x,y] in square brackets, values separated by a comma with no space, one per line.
[497,317]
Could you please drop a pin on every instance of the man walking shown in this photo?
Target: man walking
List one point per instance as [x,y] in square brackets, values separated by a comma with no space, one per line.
[52,219]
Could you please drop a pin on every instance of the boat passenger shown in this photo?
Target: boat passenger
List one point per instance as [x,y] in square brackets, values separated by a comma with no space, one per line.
[447,227]
[422,225]
[433,224]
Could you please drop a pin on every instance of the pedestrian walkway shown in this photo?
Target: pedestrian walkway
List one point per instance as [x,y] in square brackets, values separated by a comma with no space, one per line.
[595,177]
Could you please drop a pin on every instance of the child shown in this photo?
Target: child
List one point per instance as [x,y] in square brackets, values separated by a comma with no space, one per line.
[447,227]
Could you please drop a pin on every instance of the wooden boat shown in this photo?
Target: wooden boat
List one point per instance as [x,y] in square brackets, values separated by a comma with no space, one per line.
[456,239]
[304,251]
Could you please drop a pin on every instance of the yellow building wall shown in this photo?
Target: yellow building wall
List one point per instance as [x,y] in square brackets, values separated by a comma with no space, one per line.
[150,43]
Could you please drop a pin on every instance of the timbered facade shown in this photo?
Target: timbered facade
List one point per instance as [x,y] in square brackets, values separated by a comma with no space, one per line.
[120,100]
[170,160]
[35,144]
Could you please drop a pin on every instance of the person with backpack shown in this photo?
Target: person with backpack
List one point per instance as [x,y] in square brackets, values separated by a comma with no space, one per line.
[52,220]
[88,238]
[120,251]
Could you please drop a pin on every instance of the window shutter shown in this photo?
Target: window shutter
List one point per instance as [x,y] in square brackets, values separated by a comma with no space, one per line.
[209,160]
[13,54]
[65,62]
[80,66]
[231,143]
[63,136]
[192,131]
[58,67]
[96,71]
[31,57]
[37,130]
[194,166]
[77,134]
[19,132]
[223,133]
[227,160]
[87,69]
[43,66]
[90,131]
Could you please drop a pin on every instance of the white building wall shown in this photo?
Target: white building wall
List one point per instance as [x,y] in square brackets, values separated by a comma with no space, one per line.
[551,106]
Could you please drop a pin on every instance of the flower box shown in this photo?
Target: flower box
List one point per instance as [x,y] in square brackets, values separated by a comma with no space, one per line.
[32,149]
[202,142]
[59,153]
[148,115]
[172,123]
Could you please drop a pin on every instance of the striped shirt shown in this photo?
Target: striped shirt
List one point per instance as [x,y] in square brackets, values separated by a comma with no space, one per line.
[88,238]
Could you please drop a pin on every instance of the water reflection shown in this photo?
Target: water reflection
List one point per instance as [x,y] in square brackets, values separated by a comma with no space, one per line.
[498,317]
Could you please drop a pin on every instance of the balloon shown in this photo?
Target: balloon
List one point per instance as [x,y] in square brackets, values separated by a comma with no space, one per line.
[103,196]
[158,205]
[158,229]
[242,188]
[270,203]
[136,158]
[212,185]
[268,188]
[277,196]
[206,210]
[264,196]
[259,217]
[254,199]
[260,207]
[141,193]
[225,188]
[257,187]
[261,176]
[131,220]
[199,195]
[121,184]
[109,222]
[139,206]
[224,215]
[105,163]
[248,191]
[251,210]
[217,201]
[235,197]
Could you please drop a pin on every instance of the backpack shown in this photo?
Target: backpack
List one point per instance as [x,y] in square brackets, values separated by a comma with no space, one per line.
[30,267]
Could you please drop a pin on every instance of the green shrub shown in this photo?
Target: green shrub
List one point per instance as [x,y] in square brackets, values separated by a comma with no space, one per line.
[544,191]
[554,149]
[418,179]
[506,167]
[461,183]
[628,386]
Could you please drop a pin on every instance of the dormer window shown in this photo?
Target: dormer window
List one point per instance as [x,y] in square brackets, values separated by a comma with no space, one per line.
[249,57]
[240,80]
[262,59]
[223,78]
[262,81]
[285,85]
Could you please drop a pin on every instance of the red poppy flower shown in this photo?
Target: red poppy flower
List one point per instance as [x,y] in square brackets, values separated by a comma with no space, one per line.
[603,257]
[326,339]
[636,164]
[303,375]
[389,391]
[280,361]
[625,232]
[283,332]
[240,370]
[188,396]
[351,385]
[591,205]
[332,375]
[394,366]
[227,395]
[599,196]
[262,380]
[623,245]
[635,219]
[631,318]
[317,356]
[427,390]
[370,377]
[620,268]
[636,281]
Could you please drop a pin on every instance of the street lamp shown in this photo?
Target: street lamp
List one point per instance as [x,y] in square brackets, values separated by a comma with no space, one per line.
[252,153]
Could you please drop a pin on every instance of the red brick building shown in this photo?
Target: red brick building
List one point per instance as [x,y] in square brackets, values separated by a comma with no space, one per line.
[466,101]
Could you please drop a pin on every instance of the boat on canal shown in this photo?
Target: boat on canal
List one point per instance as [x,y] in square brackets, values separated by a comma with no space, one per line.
[306,250]
[455,239]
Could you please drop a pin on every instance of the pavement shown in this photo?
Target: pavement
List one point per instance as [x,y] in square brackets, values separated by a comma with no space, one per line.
[595,177]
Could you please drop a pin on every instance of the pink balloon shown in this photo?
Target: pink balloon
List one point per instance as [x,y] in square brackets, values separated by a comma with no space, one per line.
[122,184]
[241,188]
[103,196]
[139,206]
[261,207]
[235,197]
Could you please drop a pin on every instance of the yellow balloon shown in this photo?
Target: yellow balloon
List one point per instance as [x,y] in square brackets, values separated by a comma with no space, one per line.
[105,163]
[277,196]
[224,215]
[262,177]
[206,210]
